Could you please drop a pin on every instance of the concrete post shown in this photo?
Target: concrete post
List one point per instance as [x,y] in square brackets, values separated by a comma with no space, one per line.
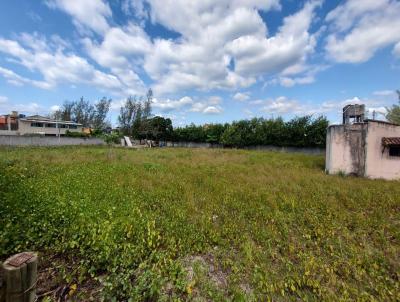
[9,123]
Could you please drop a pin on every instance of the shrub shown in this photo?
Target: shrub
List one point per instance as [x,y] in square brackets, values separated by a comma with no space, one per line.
[76,134]
[111,138]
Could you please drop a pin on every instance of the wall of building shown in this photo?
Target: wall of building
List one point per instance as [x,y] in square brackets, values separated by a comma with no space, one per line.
[380,164]
[25,128]
[19,140]
[345,152]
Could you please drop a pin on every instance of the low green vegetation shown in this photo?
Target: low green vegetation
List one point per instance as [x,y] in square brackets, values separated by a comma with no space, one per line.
[304,131]
[76,134]
[202,225]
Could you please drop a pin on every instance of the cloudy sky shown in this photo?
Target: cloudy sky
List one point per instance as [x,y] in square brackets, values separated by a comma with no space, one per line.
[206,61]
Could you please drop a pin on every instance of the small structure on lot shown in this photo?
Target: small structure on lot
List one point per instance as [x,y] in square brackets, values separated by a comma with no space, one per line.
[355,112]
[17,124]
[368,148]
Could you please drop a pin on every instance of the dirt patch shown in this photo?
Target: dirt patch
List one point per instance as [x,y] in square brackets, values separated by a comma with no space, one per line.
[52,284]
[203,268]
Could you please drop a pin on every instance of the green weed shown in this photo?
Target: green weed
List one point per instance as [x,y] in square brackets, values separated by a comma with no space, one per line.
[260,225]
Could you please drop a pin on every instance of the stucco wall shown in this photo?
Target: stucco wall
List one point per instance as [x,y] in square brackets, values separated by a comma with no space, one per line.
[345,149]
[17,140]
[378,164]
[25,128]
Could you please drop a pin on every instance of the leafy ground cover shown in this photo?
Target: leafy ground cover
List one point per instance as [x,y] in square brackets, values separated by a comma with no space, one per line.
[191,224]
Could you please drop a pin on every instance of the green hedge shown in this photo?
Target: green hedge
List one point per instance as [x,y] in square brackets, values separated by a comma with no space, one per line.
[303,131]
[76,134]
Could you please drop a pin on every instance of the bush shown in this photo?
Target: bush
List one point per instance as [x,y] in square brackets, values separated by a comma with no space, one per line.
[298,132]
[76,134]
[112,138]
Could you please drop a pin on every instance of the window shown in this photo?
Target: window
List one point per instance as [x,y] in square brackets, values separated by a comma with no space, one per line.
[62,126]
[37,125]
[73,127]
[394,151]
[50,125]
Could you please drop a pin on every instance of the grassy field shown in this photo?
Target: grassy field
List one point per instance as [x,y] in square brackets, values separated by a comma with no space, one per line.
[201,225]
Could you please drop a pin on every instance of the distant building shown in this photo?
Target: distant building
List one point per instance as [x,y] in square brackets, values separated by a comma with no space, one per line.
[14,124]
[368,148]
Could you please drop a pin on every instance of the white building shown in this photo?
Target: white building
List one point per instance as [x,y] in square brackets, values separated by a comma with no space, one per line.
[369,148]
[36,124]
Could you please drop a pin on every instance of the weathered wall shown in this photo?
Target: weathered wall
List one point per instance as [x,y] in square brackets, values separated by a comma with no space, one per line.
[379,164]
[17,140]
[316,151]
[345,150]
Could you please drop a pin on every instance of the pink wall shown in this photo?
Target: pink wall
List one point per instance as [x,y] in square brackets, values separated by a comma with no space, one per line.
[357,149]
[378,164]
[344,149]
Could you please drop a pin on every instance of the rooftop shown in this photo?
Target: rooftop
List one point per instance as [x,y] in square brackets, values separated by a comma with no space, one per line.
[44,119]
[366,121]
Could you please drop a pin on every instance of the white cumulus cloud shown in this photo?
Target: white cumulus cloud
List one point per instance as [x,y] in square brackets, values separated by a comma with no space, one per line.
[57,66]
[169,105]
[361,28]
[241,96]
[92,14]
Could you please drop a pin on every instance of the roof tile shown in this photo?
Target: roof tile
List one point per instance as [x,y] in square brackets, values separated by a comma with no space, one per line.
[391,141]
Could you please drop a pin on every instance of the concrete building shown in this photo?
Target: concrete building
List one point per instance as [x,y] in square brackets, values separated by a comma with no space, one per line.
[368,148]
[14,124]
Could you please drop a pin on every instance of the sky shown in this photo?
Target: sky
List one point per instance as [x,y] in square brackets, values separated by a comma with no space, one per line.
[206,61]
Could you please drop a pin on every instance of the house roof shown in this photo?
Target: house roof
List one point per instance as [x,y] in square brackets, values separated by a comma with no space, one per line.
[391,141]
[43,119]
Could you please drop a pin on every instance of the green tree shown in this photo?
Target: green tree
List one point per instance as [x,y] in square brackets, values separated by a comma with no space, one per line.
[129,115]
[135,116]
[83,112]
[239,134]
[213,132]
[100,114]
[316,132]
[393,113]
[298,132]
[65,112]
[157,128]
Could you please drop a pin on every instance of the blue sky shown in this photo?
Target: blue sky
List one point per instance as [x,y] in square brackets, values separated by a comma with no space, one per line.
[206,61]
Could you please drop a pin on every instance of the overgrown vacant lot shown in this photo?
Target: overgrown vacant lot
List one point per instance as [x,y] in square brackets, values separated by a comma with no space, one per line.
[162,224]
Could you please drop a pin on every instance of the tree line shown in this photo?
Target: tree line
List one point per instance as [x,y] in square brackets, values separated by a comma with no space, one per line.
[85,113]
[303,131]
[136,120]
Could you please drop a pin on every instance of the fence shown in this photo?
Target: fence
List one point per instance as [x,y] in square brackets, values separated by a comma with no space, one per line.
[16,140]
[309,150]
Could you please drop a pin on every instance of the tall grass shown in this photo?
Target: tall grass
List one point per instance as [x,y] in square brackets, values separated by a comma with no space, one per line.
[162,224]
